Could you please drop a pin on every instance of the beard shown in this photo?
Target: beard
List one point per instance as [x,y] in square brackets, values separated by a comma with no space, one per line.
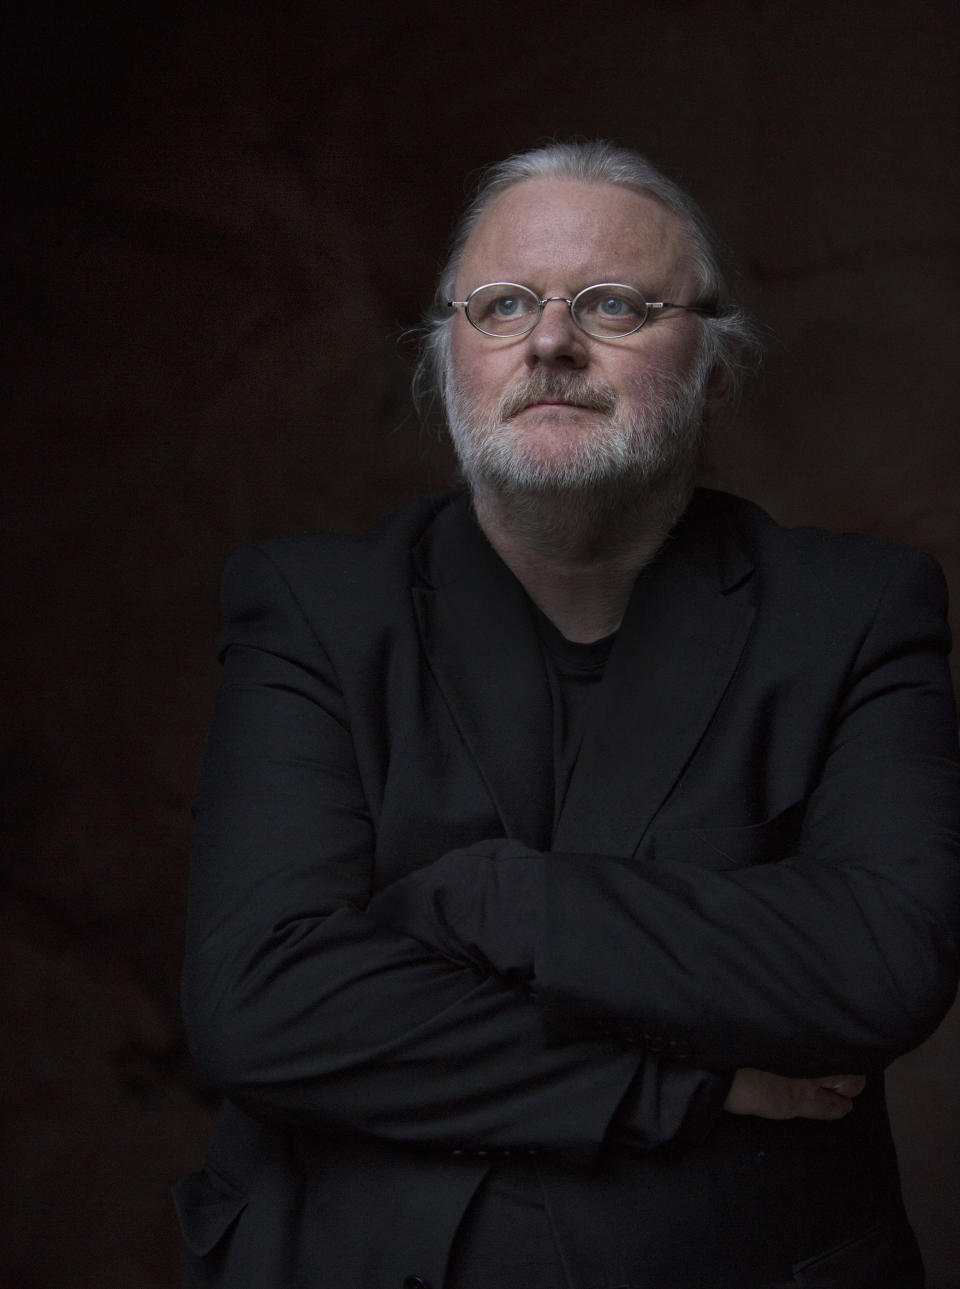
[649,448]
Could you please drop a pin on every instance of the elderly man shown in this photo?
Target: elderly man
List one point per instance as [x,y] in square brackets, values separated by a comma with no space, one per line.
[574,851]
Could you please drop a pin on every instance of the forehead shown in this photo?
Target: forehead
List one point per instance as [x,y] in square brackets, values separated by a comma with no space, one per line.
[564,233]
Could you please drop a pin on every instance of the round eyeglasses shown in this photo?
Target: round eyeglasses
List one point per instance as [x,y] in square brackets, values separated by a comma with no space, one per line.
[606,311]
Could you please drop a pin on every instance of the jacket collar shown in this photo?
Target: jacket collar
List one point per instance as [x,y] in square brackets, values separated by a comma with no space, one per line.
[675,653]
[674,656]
[477,631]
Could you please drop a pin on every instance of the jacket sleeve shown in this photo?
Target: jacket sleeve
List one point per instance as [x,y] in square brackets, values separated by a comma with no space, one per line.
[302,1007]
[837,957]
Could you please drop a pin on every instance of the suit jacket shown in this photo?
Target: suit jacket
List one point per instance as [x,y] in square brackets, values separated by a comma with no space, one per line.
[396,979]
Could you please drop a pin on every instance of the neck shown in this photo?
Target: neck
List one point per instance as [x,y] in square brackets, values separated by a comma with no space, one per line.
[577,554]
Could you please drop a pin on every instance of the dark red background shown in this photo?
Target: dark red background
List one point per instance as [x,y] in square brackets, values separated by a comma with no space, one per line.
[217,226]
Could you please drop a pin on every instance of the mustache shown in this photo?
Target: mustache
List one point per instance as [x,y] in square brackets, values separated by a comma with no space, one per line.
[556,387]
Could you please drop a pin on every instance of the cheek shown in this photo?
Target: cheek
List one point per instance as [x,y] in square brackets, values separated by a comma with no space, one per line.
[459,344]
[463,363]
[479,373]
[685,345]
[673,356]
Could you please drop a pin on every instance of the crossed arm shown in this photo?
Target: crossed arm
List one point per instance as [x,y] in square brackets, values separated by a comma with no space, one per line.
[409,1016]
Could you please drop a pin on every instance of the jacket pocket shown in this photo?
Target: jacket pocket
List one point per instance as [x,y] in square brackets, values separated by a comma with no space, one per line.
[719,848]
[879,1259]
[207,1205]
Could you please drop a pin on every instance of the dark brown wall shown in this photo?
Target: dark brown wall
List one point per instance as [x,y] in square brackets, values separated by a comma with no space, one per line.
[215,231]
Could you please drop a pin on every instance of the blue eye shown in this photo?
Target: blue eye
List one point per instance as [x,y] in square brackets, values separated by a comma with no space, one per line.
[609,305]
[613,306]
[507,306]
[610,310]
[503,308]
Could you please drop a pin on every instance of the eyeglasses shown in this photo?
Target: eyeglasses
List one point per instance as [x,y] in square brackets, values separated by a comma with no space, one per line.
[606,311]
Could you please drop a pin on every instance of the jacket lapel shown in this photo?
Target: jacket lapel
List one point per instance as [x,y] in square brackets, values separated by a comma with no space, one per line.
[477,632]
[674,656]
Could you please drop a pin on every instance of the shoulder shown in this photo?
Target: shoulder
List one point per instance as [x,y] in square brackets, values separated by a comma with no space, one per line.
[390,538]
[818,562]
[331,586]
[342,563]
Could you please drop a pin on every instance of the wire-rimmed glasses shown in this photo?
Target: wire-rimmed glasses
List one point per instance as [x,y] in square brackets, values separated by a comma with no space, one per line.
[606,310]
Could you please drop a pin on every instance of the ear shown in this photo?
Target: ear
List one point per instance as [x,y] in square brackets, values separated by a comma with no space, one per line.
[718,386]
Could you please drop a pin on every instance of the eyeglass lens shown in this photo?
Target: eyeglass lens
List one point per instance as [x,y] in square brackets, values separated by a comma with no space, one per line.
[604,310]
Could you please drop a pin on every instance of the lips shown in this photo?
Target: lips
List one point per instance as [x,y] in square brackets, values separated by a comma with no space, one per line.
[547,390]
[558,402]
[585,404]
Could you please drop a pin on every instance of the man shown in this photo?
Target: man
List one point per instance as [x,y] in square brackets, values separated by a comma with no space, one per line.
[573,853]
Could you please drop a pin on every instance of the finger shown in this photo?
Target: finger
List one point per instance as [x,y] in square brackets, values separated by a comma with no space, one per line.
[830,1105]
[847,1085]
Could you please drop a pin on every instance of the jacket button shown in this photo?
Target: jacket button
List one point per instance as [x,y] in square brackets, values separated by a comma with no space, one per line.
[415,1282]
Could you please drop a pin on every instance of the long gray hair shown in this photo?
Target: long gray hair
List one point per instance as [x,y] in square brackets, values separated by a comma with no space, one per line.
[731,339]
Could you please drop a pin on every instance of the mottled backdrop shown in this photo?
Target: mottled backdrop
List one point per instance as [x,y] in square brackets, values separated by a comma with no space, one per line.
[218,223]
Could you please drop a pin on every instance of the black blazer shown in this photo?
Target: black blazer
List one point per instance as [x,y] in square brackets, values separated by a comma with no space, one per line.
[394,982]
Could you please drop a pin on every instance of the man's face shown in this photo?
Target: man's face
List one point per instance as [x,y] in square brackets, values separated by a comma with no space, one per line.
[557,408]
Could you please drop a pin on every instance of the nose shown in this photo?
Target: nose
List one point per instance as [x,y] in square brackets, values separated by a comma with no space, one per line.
[556,339]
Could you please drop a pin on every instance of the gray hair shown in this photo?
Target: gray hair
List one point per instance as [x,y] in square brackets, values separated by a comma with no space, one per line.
[731,339]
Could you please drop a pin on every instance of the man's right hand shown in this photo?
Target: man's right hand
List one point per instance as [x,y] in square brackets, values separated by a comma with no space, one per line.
[773,1096]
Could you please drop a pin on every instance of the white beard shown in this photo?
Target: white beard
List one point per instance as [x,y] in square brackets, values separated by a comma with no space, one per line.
[651,448]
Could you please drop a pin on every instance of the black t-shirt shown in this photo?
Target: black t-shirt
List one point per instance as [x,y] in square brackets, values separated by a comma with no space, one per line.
[574,671]
[506,1238]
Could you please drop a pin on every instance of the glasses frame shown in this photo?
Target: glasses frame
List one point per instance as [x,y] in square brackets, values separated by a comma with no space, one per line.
[571,302]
